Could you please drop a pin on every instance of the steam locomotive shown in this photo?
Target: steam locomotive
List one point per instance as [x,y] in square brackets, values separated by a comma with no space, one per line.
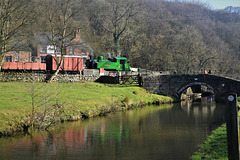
[114,63]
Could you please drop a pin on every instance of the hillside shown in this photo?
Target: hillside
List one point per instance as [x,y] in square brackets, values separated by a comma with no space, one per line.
[179,36]
[185,37]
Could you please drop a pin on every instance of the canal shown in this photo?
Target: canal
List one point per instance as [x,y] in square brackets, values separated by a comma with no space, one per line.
[149,133]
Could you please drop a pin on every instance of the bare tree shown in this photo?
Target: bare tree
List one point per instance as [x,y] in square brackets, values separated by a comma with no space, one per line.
[14,16]
[46,108]
[115,16]
[58,15]
[191,53]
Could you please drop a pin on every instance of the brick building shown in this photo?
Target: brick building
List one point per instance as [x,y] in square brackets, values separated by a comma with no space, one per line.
[18,56]
[73,48]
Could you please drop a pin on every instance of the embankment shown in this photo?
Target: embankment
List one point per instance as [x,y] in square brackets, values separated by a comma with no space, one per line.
[215,147]
[76,101]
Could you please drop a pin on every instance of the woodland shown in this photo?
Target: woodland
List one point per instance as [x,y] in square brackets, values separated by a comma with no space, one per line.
[182,37]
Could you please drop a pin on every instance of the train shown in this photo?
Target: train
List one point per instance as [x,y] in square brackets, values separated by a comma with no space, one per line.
[111,64]
[71,64]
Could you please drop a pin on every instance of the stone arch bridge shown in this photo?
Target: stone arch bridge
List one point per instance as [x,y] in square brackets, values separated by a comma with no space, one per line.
[174,85]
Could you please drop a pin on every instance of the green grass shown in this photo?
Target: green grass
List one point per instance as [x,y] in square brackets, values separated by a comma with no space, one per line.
[88,99]
[13,95]
[215,147]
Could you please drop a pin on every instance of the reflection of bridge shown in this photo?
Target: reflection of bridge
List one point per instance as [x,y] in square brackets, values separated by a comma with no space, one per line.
[174,85]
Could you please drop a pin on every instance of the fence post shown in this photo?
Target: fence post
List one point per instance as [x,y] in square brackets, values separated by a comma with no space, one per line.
[232,126]
[140,80]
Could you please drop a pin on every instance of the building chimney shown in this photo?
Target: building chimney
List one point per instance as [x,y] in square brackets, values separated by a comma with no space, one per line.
[78,34]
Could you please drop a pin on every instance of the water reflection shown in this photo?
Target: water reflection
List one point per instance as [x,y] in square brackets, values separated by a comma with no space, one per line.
[166,132]
[206,110]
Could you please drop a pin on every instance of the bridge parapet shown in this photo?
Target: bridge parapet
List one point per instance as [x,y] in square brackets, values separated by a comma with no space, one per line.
[174,85]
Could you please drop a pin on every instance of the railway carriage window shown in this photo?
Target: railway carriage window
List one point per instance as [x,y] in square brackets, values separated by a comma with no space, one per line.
[8,59]
[43,49]
[43,59]
[84,62]
[58,51]
[34,59]
[16,52]
[71,50]
[16,58]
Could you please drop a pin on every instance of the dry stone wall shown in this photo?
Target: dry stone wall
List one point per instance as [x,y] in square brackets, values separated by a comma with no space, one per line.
[41,77]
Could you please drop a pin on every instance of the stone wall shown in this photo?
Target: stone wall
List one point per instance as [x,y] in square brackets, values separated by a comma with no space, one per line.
[41,77]
[85,76]
[75,78]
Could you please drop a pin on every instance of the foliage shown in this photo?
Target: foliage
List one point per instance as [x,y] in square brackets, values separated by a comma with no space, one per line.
[15,16]
[178,36]
[115,17]
[238,100]
[154,34]
[58,18]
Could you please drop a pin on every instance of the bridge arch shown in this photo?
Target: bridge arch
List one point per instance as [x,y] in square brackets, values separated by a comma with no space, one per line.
[174,85]
[184,87]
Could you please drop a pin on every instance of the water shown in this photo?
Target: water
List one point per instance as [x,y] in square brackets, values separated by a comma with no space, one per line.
[149,133]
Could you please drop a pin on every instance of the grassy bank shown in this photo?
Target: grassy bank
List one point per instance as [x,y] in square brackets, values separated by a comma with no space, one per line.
[215,147]
[78,100]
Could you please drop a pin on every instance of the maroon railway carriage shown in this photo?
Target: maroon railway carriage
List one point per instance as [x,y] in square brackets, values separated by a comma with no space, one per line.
[71,63]
[14,66]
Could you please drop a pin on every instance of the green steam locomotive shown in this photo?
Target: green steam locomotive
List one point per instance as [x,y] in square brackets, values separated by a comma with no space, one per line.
[114,63]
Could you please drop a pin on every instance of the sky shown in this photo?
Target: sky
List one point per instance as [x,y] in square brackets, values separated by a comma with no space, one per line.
[219,4]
